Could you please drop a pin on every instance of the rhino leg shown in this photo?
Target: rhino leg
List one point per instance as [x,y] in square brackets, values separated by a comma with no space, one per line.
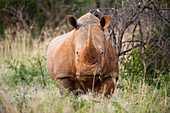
[108,86]
[67,83]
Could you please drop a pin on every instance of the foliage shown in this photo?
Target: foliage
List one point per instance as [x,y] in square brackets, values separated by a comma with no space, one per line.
[28,71]
[34,16]
[151,62]
[138,67]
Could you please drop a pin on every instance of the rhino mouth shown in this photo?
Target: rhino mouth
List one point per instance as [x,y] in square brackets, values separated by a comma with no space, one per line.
[89,72]
[83,69]
[97,75]
[88,77]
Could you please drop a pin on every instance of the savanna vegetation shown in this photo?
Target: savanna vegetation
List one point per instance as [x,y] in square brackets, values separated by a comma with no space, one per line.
[139,30]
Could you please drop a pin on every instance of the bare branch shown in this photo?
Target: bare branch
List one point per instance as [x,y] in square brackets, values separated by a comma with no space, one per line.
[19,15]
[124,52]
[164,19]
[132,20]
[132,41]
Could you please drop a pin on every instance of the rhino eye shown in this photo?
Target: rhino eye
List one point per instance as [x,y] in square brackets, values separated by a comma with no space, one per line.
[102,52]
[77,53]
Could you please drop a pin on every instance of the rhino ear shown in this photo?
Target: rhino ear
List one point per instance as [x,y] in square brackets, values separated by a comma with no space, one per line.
[72,21]
[104,21]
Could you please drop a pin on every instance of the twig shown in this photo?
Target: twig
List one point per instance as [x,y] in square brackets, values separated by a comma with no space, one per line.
[42,74]
[19,15]
[132,41]
[133,35]
[124,52]
[164,19]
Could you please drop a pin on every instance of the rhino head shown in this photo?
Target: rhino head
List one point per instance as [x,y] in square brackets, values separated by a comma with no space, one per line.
[89,45]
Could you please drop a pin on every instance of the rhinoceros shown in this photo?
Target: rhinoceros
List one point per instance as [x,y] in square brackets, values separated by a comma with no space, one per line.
[83,60]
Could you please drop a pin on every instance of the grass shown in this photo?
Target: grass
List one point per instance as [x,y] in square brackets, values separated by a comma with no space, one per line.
[22,89]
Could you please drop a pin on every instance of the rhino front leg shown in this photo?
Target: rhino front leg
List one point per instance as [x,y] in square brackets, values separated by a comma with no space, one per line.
[66,83]
[108,86]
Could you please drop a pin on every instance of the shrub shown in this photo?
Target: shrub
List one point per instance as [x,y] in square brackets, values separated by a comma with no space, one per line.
[138,66]
[28,71]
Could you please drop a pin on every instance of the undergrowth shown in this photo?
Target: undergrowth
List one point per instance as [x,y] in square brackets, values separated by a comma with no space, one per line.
[24,89]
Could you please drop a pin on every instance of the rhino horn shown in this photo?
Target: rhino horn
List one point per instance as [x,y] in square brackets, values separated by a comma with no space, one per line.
[89,40]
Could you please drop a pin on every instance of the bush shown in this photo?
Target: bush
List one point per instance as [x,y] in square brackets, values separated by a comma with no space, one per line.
[138,66]
[28,71]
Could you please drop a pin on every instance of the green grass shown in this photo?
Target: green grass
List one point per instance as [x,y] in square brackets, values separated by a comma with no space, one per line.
[22,88]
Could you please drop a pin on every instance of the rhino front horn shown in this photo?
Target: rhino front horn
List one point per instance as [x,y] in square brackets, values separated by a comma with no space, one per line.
[89,41]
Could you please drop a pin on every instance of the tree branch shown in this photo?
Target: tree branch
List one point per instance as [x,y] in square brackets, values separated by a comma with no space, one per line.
[124,52]
[164,19]
[132,20]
